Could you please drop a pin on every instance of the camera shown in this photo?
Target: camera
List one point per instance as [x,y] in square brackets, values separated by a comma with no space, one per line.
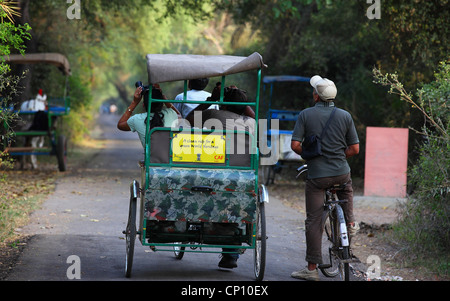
[144,88]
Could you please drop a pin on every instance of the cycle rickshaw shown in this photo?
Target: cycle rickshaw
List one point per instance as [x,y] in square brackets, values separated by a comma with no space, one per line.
[49,118]
[187,197]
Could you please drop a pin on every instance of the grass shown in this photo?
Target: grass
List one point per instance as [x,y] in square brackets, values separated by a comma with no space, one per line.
[24,191]
[21,192]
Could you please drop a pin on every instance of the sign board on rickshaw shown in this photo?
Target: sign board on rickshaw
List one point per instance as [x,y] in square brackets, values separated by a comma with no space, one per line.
[201,148]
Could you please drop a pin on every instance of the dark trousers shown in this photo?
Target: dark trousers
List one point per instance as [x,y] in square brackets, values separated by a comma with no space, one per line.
[314,193]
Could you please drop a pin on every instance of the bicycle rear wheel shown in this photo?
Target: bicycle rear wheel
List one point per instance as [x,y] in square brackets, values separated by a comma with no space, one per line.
[335,246]
[178,251]
[330,265]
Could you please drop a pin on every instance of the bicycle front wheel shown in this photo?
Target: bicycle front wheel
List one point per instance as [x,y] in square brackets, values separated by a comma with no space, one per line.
[344,267]
[343,252]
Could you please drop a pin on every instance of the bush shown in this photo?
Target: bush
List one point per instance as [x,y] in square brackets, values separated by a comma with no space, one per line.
[11,37]
[424,224]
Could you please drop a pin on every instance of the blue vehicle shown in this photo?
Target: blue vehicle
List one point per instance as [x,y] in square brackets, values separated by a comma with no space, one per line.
[278,133]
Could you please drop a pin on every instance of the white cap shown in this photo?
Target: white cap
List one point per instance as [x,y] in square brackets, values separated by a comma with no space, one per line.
[324,87]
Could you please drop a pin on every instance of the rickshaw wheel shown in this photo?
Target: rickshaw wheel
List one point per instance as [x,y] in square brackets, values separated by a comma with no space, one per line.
[267,174]
[61,152]
[260,242]
[130,235]
[178,251]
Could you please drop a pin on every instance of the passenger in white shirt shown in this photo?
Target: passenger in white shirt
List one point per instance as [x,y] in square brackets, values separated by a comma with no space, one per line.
[37,104]
[195,92]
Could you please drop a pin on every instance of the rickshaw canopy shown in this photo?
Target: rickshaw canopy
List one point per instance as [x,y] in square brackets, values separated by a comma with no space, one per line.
[173,67]
[56,59]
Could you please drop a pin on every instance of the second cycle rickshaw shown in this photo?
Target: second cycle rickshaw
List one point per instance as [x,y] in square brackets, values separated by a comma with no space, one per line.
[46,122]
[196,193]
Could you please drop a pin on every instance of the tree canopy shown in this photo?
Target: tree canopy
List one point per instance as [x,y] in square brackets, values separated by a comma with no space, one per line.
[107,44]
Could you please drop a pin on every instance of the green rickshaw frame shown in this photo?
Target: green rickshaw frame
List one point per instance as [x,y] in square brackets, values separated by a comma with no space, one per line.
[178,241]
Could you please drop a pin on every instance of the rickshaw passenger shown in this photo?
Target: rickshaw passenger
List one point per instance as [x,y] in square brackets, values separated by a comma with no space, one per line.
[195,92]
[40,123]
[161,114]
[241,116]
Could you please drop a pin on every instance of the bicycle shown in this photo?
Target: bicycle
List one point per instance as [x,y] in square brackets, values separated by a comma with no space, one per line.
[334,227]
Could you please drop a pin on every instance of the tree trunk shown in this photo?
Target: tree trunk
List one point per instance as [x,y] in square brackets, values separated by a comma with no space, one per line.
[31,47]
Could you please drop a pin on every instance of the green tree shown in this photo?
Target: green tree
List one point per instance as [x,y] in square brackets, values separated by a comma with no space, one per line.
[11,37]
[336,39]
[418,33]
[106,47]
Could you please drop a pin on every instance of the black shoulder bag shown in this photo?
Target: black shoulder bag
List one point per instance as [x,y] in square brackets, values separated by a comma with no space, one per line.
[311,146]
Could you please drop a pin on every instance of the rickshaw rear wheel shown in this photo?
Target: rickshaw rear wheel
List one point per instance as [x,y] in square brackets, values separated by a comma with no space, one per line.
[130,234]
[260,241]
[267,175]
[61,152]
[178,251]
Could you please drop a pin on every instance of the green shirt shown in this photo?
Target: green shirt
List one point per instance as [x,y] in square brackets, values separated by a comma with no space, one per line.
[340,133]
[137,122]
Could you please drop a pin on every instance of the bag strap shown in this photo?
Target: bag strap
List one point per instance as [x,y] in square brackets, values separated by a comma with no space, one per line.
[328,123]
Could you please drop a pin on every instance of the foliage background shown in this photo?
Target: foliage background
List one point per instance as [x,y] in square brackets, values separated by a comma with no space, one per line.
[107,46]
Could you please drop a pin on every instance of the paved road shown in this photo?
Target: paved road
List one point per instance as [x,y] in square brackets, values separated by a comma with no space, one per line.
[86,214]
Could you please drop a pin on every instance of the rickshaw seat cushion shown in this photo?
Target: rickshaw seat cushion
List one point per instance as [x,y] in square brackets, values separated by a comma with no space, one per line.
[231,197]
[160,147]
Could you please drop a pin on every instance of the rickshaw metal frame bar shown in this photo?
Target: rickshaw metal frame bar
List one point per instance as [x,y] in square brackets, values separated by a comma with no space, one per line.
[32,133]
[205,102]
[198,246]
[256,158]
[29,153]
[185,90]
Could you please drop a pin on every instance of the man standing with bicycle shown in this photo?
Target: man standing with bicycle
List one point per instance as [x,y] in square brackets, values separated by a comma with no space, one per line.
[329,167]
